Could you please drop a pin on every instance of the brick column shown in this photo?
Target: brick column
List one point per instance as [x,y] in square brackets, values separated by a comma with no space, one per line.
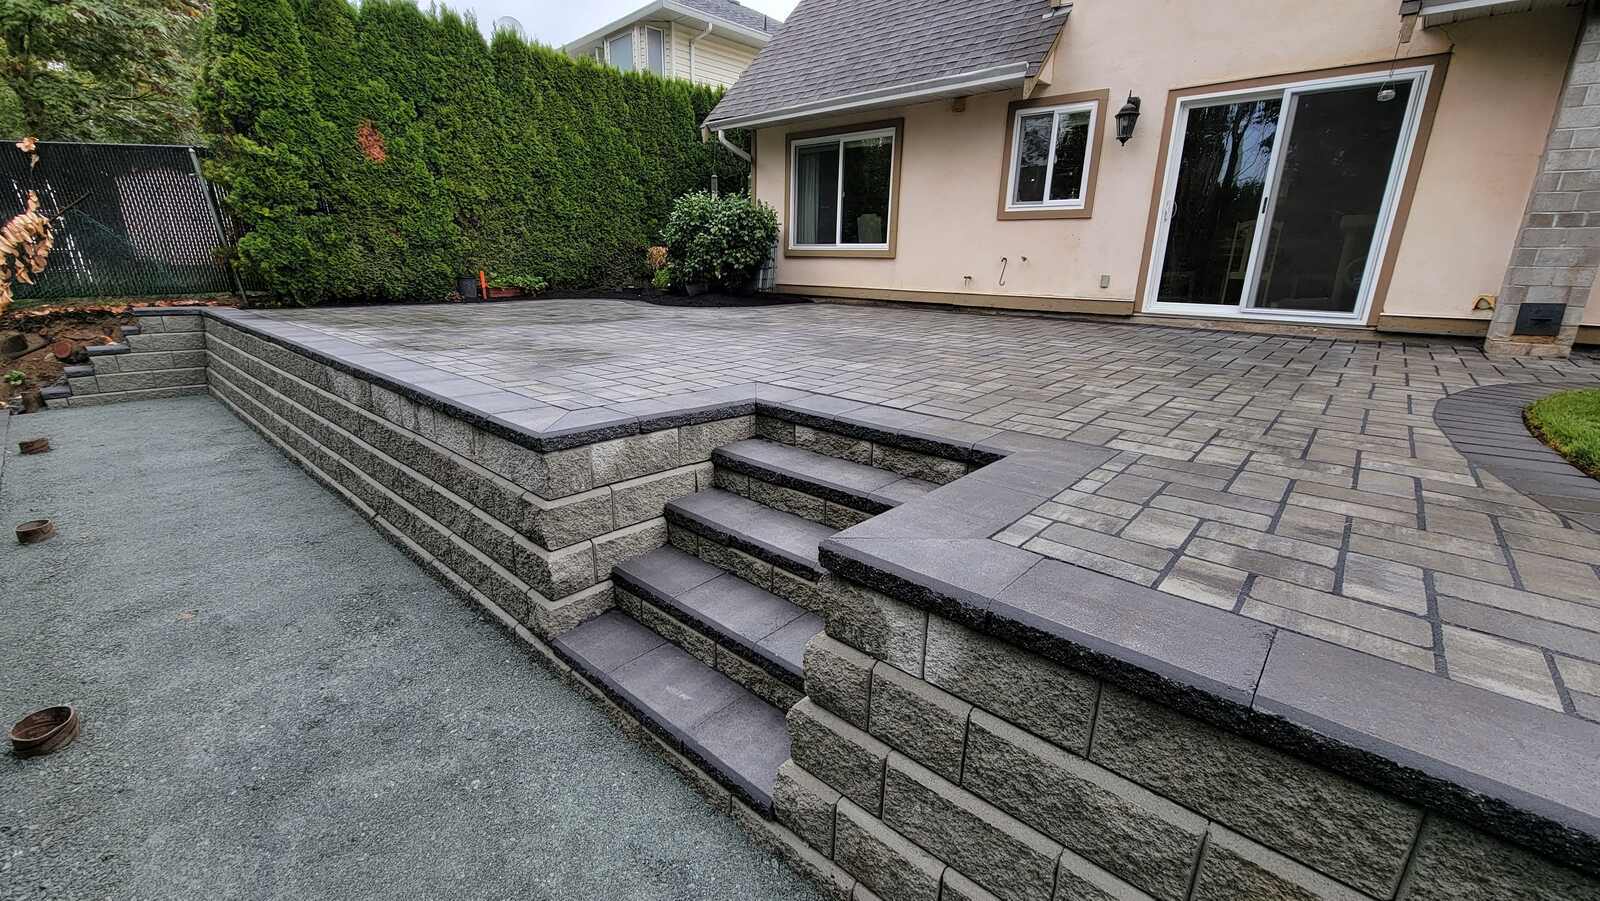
[1558,249]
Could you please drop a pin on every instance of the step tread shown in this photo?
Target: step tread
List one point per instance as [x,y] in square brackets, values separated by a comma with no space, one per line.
[768,629]
[780,538]
[739,739]
[856,484]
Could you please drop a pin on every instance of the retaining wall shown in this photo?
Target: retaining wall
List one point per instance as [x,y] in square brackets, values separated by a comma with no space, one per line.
[164,356]
[933,762]
[930,761]
[536,534]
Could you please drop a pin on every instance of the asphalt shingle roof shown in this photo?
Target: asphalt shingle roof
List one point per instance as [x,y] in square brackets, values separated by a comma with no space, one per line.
[837,48]
[730,11]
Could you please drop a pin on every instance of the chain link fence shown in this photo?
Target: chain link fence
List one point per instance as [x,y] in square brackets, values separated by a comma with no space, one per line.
[138,220]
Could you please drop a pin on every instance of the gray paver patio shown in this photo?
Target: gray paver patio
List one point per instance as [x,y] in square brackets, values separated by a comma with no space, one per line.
[1299,481]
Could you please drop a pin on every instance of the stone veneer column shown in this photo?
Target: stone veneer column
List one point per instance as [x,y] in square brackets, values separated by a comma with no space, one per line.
[1558,248]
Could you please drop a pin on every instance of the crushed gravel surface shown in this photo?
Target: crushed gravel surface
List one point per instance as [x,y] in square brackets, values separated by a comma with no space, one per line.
[278,704]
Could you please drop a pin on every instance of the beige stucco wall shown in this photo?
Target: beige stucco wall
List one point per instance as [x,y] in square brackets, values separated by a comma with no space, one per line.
[1498,99]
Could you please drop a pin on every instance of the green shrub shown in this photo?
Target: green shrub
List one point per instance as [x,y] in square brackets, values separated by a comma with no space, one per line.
[528,283]
[721,241]
[378,152]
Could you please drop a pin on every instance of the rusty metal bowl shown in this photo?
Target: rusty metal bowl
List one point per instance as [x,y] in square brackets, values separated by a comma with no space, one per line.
[44,731]
[35,531]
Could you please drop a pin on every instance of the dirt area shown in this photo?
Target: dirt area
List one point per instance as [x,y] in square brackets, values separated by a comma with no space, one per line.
[52,337]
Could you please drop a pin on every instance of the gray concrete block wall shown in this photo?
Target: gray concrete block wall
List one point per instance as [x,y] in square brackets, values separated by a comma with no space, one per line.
[534,534]
[1557,252]
[957,766]
[166,359]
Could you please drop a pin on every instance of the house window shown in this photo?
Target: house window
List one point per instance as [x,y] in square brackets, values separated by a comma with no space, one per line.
[655,51]
[1052,155]
[843,198]
[619,51]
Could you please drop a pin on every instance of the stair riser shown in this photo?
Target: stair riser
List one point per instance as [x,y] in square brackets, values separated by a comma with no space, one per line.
[706,649]
[794,588]
[801,503]
[910,463]
[738,543]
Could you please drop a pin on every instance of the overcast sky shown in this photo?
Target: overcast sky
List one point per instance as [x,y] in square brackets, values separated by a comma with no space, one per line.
[556,22]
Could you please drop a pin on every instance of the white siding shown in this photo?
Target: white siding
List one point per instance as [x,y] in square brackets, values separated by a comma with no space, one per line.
[719,61]
[716,60]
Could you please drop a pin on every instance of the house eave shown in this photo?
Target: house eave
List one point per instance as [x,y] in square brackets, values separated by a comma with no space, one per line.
[1433,13]
[679,12]
[995,78]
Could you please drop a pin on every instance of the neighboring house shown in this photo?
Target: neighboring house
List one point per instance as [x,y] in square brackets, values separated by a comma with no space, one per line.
[703,41]
[1362,163]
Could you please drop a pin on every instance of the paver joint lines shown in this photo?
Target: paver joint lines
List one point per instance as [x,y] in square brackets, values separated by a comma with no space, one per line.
[1302,482]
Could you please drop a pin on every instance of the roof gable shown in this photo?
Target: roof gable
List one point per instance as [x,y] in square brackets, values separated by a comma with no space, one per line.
[731,19]
[731,11]
[831,49]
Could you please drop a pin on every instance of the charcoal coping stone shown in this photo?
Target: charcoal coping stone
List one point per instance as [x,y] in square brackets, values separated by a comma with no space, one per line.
[856,485]
[779,538]
[767,629]
[731,733]
[1215,665]
[964,577]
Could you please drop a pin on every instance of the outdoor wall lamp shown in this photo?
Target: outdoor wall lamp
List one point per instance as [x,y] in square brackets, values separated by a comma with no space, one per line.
[1127,117]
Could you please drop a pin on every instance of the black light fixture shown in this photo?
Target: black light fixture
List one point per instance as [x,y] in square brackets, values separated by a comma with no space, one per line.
[1126,118]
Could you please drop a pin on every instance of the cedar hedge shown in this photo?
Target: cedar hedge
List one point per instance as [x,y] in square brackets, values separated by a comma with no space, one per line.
[379,152]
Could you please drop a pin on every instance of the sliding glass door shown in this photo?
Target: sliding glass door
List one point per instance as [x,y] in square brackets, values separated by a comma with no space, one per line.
[1277,202]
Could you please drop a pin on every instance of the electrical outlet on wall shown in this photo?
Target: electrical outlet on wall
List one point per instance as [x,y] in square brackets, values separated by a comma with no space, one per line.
[1105,281]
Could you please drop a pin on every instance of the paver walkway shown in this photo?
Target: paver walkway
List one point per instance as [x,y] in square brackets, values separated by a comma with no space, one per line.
[1302,482]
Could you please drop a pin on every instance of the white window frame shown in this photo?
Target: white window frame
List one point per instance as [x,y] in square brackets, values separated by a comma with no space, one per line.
[633,42]
[1015,206]
[663,36]
[1420,76]
[794,192]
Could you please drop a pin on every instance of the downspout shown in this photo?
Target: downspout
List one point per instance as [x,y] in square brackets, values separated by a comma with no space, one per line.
[695,40]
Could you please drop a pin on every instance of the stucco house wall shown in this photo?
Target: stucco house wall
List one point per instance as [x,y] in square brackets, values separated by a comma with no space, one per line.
[1499,92]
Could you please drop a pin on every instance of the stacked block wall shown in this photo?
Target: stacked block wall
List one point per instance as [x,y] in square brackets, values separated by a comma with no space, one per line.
[166,358]
[535,534]
[933,763]
[930,763]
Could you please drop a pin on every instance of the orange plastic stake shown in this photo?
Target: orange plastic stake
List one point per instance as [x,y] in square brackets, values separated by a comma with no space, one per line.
[483,286]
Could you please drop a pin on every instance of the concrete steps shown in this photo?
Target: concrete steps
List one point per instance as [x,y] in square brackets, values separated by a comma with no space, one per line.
[727,611]
[707,647]
[773,536]
[731,733]
[828,479]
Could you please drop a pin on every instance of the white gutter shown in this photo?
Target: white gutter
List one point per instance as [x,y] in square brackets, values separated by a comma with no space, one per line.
[994,78]
[722,138]
[710,26]
[749,36]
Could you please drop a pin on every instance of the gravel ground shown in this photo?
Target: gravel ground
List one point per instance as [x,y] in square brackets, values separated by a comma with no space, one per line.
[277,704]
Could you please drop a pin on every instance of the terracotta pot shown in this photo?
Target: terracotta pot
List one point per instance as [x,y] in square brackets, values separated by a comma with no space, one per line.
[35,531]
[44,731]
[34,446]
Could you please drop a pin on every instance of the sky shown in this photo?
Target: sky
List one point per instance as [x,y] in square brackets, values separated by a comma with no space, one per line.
[557,22]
